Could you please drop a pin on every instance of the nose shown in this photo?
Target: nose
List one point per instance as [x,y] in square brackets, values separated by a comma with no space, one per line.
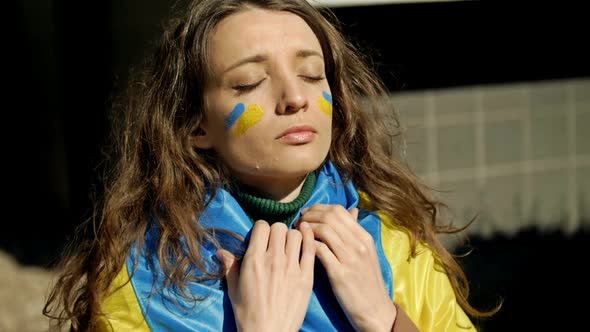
[292,96]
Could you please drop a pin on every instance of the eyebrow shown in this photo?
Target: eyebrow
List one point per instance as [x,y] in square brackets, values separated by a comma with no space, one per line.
[308,53]
[251,59]
[262,58]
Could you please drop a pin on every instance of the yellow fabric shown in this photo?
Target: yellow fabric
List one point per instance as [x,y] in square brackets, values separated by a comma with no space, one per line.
[421,290]
[121,309]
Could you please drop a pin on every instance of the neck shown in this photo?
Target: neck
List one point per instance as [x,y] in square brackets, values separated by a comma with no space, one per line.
[280,190]
[259,207]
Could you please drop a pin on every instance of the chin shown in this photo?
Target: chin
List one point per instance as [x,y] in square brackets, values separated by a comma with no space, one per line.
[281,163]
[302,169]
[293,167]
[306,161]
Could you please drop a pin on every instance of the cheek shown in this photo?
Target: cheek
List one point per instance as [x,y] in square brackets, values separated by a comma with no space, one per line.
[325,103]
[234,116]
[249,119]
[243,118]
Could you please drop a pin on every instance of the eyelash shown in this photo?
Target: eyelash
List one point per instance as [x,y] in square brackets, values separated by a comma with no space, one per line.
[313,79]
[247,88]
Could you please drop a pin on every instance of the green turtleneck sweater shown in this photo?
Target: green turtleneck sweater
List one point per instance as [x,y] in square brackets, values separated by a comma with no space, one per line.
[267,209]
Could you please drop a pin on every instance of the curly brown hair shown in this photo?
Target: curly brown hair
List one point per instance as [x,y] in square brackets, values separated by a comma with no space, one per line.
[154,164]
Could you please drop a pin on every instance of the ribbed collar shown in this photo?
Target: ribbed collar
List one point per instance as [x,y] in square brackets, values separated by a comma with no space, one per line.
[267,209]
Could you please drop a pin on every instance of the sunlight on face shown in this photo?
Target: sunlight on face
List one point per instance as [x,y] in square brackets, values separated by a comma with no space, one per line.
[269,97]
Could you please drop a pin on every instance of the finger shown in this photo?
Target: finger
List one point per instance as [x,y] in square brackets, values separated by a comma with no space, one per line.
[327,235]
[338,211]
[323,208]
[293,246]
[335,222]
[277,239]
[318,207]
[326,256]
[344,222]
[259,238]
[359,231]
[330,217]
[232,269]
[308,250]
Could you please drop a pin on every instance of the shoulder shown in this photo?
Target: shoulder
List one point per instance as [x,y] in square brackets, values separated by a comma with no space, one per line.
[421,286]
[397,246]
[396,239]
[121,308]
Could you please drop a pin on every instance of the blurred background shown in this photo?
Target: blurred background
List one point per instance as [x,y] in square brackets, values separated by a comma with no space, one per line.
[494,100]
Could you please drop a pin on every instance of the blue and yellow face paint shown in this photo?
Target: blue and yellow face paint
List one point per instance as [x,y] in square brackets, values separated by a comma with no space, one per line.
[243,118]
[325,102]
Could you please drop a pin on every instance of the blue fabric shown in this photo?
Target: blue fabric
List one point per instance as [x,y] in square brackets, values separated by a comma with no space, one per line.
[164,310]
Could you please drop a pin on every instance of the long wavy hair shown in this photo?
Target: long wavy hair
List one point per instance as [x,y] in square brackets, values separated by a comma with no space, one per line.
[152,162]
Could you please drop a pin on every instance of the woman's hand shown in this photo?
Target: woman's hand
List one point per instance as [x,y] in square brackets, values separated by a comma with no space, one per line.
[272,289]
[349,256]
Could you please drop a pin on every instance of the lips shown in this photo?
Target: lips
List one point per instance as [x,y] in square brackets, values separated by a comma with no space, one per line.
[297,135]
[297,130]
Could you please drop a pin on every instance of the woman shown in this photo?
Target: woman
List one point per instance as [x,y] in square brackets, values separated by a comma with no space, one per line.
[249,145]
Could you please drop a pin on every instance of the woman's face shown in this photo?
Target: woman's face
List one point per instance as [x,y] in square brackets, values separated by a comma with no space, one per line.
[268,103]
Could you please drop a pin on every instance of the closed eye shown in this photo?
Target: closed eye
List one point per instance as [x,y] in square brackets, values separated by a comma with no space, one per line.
[312,79]
[243,88]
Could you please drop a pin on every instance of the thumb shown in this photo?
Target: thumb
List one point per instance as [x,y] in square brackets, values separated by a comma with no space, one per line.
[355,213]
[231,268]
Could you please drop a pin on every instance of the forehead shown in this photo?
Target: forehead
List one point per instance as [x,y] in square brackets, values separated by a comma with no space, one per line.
[259,31]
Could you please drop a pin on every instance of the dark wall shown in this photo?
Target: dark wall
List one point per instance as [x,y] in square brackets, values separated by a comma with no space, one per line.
[65,61]
[443,44]
[65,58]
[539,276]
